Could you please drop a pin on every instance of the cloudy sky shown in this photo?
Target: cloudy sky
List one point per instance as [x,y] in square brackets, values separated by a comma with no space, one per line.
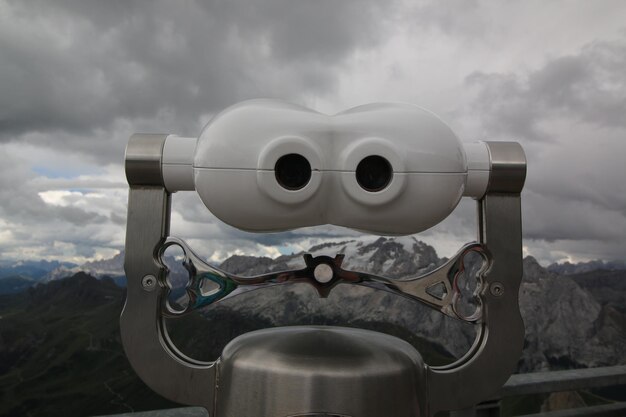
[78,77]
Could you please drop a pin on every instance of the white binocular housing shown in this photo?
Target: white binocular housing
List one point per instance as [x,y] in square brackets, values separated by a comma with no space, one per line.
[267,165]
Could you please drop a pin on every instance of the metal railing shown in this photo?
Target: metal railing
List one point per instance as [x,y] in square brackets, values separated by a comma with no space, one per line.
[556,381]
[519,384]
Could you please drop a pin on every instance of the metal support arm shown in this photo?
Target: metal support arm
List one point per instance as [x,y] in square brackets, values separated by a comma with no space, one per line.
[144,336]
[500,339]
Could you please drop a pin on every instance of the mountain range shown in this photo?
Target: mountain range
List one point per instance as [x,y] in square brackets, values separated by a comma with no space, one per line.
[574,315]
[567,268]
[60,352]
[33,269]
[576,320]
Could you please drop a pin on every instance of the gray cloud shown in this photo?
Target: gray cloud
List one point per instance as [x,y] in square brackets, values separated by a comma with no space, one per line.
[552,218]
[73,228]
[80,77]
[74,67]
[456,17]
[587,87]
[21,203]
[569,114]
[77,78]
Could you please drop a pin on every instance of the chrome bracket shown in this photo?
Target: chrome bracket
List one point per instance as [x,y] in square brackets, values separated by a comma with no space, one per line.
[208,284]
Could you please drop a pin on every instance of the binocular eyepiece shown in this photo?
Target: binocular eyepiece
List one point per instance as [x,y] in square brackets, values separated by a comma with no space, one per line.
[293,172]
[373,173]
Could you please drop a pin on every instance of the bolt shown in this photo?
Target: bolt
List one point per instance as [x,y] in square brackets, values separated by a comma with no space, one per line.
[148,283]
[323,273]
[497,289]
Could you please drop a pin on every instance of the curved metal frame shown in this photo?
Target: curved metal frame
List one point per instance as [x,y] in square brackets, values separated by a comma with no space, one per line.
[472,378]
[227,285]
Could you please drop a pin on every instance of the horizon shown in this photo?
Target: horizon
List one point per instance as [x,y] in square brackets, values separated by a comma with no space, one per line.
[78,78]
[364,240]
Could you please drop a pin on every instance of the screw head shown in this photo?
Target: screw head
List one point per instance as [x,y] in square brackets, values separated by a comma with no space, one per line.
[323,273]
[149,282]
[497,289]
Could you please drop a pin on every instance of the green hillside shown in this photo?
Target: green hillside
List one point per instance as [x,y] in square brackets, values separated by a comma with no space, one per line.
[15,284]
[61,355]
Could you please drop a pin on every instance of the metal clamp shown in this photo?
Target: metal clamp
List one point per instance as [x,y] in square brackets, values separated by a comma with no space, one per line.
[474,377]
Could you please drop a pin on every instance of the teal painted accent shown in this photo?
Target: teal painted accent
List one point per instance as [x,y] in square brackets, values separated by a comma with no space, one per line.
[226,286]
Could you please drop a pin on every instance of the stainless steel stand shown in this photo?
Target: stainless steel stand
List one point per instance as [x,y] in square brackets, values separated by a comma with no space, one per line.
[322,371]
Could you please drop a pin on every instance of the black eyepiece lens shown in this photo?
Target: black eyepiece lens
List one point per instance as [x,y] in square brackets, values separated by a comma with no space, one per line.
[292,171]
[374,173]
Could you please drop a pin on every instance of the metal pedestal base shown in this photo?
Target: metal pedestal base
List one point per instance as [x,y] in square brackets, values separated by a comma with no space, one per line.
[319,371]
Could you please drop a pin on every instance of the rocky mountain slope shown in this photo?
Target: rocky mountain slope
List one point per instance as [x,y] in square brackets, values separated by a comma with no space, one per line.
[34,270]
[113,267]
[61,355]
[14,284]
[60,352]
[574,320]
[607,287]
[568,268]
[566,325]
[348,305]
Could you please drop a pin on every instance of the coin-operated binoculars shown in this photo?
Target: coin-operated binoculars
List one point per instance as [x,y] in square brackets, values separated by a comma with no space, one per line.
[265,165]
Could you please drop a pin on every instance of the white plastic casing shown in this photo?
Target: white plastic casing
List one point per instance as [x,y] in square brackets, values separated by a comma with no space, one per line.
[237,151]
[478,169]
[177,163]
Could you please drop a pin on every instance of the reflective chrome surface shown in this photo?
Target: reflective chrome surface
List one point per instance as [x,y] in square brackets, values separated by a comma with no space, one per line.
[500,336]
[508,167]
[208,284]
[144,335]
[144,153]
[325,370]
